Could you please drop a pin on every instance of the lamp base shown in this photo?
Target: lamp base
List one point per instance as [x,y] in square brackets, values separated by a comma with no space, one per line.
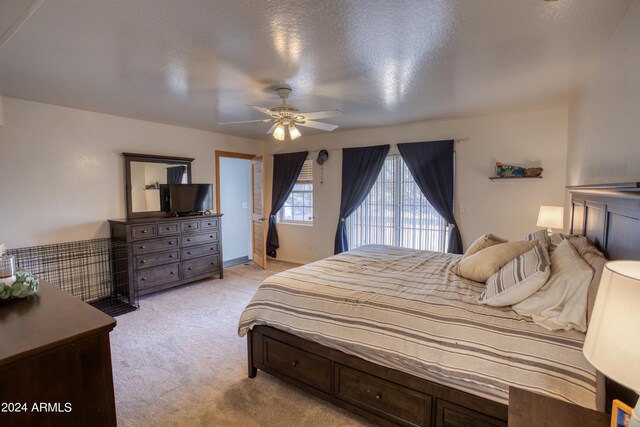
[634,420]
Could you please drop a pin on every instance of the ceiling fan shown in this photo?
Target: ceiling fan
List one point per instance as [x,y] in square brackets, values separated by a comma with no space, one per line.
[286,116]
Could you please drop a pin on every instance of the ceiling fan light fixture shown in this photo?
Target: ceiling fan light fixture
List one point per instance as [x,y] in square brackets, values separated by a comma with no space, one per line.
[294,133]
[278,133]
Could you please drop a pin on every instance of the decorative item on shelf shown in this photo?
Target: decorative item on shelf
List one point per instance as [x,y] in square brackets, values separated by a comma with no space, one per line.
[533,171]
[611,344]
[550,217]
[152,186]
[509,170]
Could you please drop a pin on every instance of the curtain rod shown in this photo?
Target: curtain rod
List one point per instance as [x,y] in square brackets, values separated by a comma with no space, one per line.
[456,140]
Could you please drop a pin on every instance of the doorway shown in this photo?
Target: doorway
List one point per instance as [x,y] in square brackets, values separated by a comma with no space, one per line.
[234,201]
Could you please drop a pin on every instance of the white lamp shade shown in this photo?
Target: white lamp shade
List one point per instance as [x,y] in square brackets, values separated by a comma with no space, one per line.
[278,133]
[294,133]
[551,217]
[612,344]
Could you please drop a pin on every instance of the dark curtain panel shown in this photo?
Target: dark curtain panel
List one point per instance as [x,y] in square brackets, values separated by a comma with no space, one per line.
[360,169]
[432,166]
[175,174]
[286,168]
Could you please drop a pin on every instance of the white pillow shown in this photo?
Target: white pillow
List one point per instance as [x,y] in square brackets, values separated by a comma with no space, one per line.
[518,279]
[562,302]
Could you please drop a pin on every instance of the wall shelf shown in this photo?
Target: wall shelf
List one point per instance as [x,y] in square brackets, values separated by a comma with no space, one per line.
[513,177]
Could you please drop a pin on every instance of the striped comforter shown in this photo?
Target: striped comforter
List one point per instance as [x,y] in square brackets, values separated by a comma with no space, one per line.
[406,310]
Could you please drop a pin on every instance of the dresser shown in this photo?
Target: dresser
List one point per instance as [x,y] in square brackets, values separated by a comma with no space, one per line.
[172,251]
[55,362]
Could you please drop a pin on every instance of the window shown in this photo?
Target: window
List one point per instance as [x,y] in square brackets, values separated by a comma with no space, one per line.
[396,213]
[299,205]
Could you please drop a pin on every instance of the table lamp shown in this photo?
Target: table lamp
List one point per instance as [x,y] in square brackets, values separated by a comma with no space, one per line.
[612,343]
[550,217]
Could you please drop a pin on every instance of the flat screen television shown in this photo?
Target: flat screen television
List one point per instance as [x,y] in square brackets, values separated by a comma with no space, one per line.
[185,199]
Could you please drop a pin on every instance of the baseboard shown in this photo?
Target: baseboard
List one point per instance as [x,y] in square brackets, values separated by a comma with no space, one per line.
[231,262]
[291,260]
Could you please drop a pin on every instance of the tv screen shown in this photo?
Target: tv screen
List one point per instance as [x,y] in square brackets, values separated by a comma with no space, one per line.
[187,198]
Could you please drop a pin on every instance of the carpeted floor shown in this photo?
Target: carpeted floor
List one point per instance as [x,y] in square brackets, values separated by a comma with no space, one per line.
[178,361]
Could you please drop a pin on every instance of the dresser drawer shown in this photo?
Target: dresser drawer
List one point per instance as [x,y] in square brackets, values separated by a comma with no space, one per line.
[189,226]
[157,258]
[199,266]
[384,398]
[150,277]
[156,245]
[168,229]
[298,364]
[145,231]
[209,224]
[198,251]
[198,239]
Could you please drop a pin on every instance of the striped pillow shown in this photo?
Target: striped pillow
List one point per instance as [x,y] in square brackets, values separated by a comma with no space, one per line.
[518,279]
[539,235]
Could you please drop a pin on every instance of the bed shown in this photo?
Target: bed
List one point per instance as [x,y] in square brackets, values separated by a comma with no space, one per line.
[394,335]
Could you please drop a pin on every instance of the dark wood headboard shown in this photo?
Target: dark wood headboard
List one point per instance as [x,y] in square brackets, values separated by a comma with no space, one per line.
[609,216]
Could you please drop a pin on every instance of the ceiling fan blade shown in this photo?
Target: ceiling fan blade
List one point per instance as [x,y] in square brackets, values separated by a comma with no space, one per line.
[264,110]
[270,131]
[322,114]
[247,121]
[317,125]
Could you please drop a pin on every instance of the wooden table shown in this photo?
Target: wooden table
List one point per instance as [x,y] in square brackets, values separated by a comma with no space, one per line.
[55,362]
[527,409]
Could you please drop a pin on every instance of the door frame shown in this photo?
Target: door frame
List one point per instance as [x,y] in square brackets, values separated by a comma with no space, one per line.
[232,155]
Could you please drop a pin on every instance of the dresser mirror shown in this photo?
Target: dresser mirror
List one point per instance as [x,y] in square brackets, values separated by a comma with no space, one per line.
[143,175]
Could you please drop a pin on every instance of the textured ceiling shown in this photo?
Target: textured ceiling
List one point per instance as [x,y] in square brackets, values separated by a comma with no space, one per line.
[195,63]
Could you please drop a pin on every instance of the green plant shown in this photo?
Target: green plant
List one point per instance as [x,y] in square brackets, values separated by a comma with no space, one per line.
[25,284]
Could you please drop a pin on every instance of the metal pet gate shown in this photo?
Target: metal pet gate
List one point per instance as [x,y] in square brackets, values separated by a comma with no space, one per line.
[93,270]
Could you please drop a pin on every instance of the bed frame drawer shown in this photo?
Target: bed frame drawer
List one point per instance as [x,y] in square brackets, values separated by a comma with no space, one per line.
[387,399]
[452,415]
[298,364]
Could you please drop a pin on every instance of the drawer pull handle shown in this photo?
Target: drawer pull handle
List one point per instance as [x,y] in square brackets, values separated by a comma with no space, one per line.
[211,249]
[189,253]
[189,268]
[378,396]
[168,228]
[212,263]
[189,225]
[211,237]
[171,256]
[188,240]
[142,247]
[208,223]
[143,261]
[144,279]
[294,363]
[143,231]
[171,243]
[172,272]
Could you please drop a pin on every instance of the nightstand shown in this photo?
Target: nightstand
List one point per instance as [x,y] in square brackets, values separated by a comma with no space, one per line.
[527,409]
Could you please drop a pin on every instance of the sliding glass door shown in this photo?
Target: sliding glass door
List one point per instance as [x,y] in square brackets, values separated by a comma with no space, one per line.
[396,213]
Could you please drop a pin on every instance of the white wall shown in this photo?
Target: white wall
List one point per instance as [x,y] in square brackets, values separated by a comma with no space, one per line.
[604,125]
[537,138]
[62,171]
[235,204]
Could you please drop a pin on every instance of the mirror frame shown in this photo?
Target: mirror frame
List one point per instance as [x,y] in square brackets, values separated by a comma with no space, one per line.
[149,158]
